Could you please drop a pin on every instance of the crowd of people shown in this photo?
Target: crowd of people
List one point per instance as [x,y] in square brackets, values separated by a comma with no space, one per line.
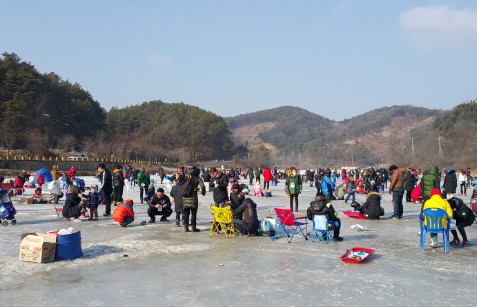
[187,183]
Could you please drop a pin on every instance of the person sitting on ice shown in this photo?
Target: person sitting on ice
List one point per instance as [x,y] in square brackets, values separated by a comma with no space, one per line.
[124,213]
[37,196]
[249,223]
[322,206]
[236,199]
[160,204]
[372,207]
[437,202]
[72,207]
[258,190]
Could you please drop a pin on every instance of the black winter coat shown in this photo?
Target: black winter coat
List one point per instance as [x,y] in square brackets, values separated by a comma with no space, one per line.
[372,206]
[71,208]
[409,181]
[462,213]
[178,198]
[106,182]
[118,179]
[248,210]
[220,192]
[321,207]
[450,182]
[197,186]
[236,200]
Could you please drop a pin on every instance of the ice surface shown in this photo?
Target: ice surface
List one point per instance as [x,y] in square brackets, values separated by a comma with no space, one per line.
[160,264]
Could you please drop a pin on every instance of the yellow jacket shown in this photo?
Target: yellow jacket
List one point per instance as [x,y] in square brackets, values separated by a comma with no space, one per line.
[437,202]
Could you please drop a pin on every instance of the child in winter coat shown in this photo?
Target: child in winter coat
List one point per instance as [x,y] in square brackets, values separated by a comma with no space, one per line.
[37,196]
[40,179]
[258,190]
[150,193]
[124,213]
[351,190]
[92,202]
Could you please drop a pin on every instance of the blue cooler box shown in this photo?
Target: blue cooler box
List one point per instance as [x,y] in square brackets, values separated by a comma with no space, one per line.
[68,247]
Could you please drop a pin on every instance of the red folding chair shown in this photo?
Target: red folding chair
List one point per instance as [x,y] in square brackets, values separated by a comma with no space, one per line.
[287,223]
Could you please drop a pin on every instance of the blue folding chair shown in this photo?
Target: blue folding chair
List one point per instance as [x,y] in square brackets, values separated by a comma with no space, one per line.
[322,229]
[435,221]
[287,222]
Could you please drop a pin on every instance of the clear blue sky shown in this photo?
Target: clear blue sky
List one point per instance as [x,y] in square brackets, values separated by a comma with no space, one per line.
[335,58]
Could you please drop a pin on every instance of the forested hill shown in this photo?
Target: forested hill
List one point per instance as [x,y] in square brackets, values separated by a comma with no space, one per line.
[376,119]
[41,114]
[172,127]
[284,115]
[383,135]
[38,110]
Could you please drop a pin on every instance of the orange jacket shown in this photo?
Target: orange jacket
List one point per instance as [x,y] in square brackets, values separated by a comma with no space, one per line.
[397,179]
[122,211]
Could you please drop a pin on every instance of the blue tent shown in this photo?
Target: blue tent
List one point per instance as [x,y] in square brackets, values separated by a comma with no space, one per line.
[46,174]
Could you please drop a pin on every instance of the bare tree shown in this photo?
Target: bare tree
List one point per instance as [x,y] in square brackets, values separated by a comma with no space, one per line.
[67,142]
[37,143]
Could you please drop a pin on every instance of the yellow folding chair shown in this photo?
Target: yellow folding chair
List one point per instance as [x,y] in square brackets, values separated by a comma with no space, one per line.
[222,221]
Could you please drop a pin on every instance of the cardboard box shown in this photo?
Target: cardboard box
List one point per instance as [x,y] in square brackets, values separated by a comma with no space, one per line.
[26,201]
[38,247]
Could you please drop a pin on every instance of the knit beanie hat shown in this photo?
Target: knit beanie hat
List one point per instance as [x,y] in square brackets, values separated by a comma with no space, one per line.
[436,191]
[128,202]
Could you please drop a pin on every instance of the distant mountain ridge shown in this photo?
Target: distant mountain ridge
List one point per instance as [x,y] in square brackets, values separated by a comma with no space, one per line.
[367,138]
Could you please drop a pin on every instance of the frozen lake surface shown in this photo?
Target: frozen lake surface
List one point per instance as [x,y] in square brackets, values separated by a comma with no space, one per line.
[161,265]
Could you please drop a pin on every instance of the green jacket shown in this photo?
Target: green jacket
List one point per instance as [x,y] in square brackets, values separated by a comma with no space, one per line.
[143,179]
[429,181]
[293,185]
[250,173]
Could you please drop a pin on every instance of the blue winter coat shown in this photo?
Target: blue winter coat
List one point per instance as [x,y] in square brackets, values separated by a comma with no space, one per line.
[324,185]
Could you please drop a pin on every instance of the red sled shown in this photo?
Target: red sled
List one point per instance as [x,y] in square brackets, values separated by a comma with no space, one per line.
[357,254]
[354,215]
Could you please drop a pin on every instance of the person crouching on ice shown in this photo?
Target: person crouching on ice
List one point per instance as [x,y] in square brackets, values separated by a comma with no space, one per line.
[124,213]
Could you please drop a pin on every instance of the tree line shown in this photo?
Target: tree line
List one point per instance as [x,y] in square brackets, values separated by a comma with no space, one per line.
[41,113]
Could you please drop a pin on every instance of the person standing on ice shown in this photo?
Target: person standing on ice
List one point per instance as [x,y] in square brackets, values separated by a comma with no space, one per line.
[293,186]
[106,186]
[397,189]
[191,202]
[221,184]
[267,177]
[118,185]
[143,182]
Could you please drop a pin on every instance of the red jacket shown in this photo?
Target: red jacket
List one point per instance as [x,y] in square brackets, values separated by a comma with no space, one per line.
[40,179]
[122,211]
[267,174]
[17,183]
[71,172]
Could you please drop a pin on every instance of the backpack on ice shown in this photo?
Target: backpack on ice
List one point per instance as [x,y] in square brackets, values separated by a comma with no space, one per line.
[187,187]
